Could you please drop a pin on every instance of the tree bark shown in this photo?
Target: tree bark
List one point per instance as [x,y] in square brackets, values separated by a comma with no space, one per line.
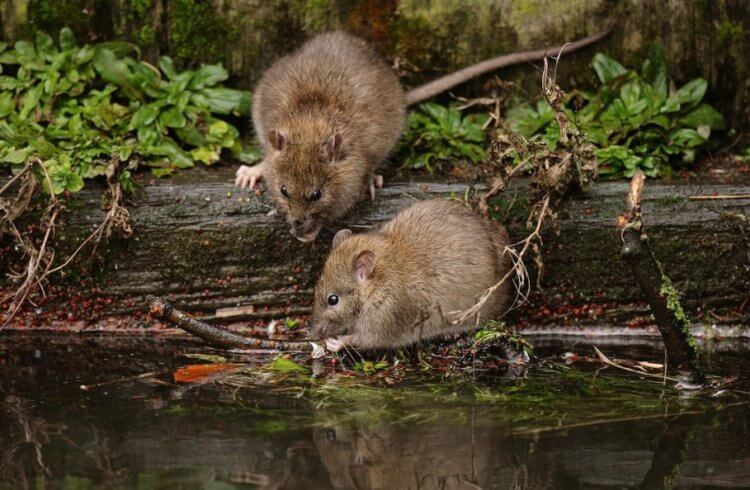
[662,297]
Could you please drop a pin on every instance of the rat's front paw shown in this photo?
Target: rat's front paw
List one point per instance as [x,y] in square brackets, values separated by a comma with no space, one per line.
[375,182]
[248,176]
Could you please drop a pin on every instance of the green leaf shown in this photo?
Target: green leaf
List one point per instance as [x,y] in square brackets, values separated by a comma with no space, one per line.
[15,156]
[44,44]
[704,114]
[206,154]
[145,116]
[606,68]
[167,66]
[168,148]
[173,118]
[67,39]
[115,71]
[691,93]
[655,70]
[208,76]
[227,101]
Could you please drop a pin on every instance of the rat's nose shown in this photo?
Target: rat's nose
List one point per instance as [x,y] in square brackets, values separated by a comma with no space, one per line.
[297,222]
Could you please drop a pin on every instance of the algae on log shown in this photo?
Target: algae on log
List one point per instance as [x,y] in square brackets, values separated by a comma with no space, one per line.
[206,247]
[424,37]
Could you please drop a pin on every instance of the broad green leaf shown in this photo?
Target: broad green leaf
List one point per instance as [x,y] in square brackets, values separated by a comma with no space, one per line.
[145,116]
[67,39]
[168,148]
[227,101]
[115,71]
[704,114]
[435,111]
[173,118]
[44,44]
[691,93]
[606,68]
[31,101]
[208,76]
[655,70]
[206,154]
[15,156]
[167,66]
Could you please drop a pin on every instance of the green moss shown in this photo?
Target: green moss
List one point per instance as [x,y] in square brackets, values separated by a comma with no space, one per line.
[730,32]
[672,296]
[198,32]
[52,15]
[139,8]
[146,35]
[316,14]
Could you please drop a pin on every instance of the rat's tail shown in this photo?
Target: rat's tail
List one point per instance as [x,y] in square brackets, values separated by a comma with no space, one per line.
[447,82]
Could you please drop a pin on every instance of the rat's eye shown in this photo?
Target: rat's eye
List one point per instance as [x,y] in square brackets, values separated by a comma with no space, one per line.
[315,195]
[284,192]
[333,299]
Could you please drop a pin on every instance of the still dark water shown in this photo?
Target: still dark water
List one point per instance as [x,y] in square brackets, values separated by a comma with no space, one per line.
[554,427]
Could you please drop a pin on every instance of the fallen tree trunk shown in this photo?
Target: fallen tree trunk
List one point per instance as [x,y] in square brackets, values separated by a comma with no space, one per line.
[224,254]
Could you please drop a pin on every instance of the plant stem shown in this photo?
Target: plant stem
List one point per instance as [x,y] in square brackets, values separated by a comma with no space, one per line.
[218,336]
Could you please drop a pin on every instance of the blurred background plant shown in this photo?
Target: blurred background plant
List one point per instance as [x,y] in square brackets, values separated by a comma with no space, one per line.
[637,120]
[77,108]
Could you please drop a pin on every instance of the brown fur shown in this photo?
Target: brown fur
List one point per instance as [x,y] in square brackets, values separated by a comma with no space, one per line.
[335,84]
[433,259]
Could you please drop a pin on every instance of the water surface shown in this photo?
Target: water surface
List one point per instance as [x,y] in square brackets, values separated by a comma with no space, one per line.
[555,426]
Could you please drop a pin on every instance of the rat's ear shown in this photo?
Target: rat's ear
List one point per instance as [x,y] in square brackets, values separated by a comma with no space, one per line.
[340,236]
[276,139]
[364,265]
[331,149]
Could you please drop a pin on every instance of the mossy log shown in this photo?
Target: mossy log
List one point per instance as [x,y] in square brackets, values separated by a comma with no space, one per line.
[424,38]
[222,253]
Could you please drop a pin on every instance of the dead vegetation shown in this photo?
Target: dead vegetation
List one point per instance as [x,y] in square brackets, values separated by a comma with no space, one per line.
[35,243]
[554,173]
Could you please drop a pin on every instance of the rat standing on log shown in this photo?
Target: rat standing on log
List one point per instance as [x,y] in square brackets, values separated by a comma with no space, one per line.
[410,280]
[328,115]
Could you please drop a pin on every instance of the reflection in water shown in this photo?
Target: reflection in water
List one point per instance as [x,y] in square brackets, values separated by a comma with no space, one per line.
[383,455]
[153,434]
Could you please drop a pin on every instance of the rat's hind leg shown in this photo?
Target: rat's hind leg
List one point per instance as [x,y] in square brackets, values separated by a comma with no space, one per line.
[248,176]
[375,182]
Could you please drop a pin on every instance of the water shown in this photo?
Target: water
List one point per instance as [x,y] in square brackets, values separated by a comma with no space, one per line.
[556,427]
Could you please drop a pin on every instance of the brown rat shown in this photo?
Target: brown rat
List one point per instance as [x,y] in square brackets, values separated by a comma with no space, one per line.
[407,281]
[328,115]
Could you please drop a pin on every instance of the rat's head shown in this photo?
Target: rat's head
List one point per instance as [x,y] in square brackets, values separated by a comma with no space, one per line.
[304,181]
[341,291]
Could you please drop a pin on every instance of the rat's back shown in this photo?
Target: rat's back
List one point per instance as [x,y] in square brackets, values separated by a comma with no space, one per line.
[460,252]
[337,75]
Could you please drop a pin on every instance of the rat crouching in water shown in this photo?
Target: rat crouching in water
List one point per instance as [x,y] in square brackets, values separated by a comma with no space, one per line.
[407,281]
[328,115]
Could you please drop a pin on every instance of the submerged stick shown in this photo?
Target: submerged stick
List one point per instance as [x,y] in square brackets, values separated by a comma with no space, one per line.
[218,336]
[662,297]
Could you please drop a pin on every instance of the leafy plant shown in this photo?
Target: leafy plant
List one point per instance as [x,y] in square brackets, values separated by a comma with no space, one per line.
[634,118]
[437,133]
[78,107]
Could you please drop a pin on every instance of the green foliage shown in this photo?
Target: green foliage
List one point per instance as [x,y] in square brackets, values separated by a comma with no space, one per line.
[283,365]
[436,133]
[78,107]
[633,118]
[371,367]
[495,331]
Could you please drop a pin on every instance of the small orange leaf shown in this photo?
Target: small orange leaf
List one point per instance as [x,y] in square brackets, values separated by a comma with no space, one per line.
[195,373]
